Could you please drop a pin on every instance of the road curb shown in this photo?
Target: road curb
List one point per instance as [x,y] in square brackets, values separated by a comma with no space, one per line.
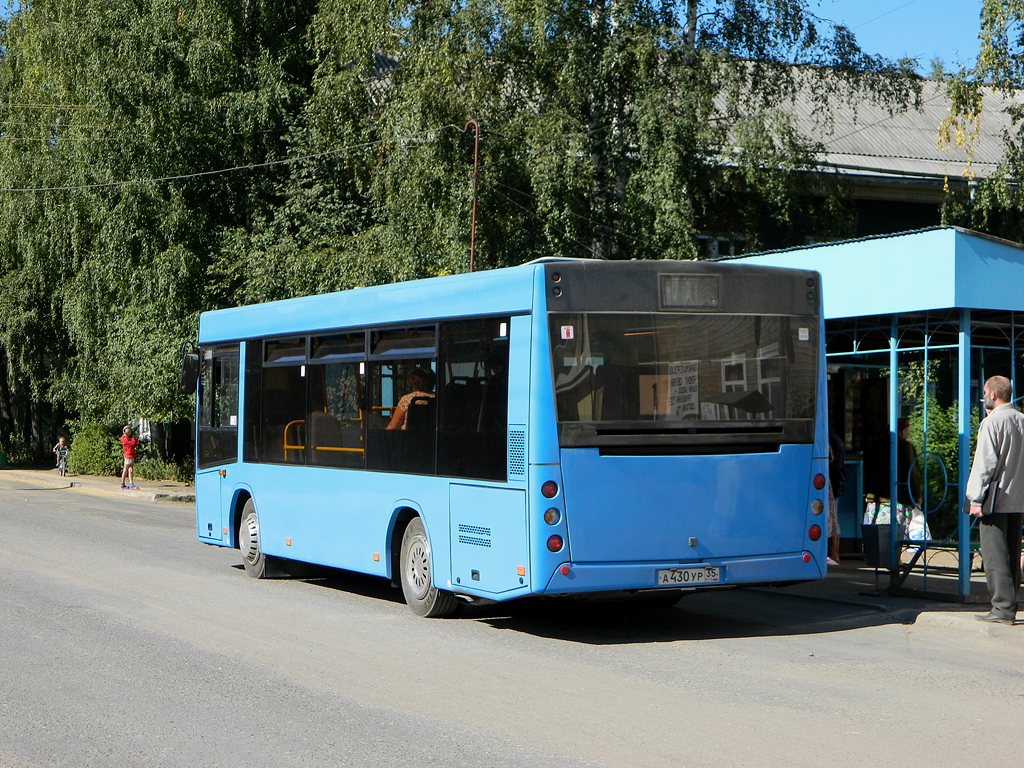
[177,497]
[967,622]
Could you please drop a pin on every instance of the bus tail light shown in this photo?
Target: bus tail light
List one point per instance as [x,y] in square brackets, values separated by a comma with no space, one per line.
[817,507]
[552,516]
[549,490]
[554,543]
[818,482]
[814,532]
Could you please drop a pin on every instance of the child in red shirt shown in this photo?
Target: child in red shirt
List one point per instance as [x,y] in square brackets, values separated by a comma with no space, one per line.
[128,443]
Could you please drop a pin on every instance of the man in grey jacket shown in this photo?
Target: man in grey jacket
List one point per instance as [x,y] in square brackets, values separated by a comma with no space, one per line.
[995,492]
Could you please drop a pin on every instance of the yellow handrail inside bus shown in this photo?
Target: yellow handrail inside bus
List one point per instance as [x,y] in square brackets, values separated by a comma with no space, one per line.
[292,447]
[286,446]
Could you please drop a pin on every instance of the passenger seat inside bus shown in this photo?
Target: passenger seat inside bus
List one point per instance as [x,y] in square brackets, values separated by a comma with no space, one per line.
[324,430]
[420,417]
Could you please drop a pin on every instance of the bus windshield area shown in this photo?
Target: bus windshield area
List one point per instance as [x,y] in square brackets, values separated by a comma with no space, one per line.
[674,369]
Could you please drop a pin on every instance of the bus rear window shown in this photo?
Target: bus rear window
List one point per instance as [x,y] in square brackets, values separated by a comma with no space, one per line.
[679,369]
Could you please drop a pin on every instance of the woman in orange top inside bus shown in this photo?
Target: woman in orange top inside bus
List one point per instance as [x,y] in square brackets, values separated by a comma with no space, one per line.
[422,394]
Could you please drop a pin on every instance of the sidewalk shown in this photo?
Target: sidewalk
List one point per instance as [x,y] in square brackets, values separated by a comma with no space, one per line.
[148,490]
[855,583]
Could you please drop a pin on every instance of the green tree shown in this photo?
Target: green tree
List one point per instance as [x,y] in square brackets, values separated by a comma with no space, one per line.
[993,204]
[158,159]
[116,113]
[611,129]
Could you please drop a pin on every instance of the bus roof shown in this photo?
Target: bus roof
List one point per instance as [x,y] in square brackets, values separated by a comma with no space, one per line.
[490,292]
[506,291]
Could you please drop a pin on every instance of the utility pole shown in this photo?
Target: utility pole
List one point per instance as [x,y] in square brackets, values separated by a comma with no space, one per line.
[472,221]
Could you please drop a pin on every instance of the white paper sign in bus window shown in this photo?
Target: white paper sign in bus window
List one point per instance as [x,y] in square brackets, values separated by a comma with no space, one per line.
[683,389]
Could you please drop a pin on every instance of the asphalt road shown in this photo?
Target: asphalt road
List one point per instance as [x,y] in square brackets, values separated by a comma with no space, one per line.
[123,642]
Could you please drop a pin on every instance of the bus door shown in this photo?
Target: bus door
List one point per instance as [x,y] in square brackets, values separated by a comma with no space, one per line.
[217,443]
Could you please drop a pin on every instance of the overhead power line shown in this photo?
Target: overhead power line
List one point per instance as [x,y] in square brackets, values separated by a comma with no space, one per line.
[233,169]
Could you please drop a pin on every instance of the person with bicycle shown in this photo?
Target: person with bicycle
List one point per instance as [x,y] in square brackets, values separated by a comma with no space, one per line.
[60,450]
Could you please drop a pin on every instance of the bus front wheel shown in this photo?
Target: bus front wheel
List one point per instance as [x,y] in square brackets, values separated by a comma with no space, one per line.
[253,559]
[420,594]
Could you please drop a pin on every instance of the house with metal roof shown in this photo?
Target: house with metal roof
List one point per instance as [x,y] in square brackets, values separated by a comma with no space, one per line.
[894,168]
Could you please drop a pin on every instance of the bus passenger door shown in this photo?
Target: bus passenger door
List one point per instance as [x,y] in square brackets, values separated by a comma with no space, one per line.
[216,435]
[489,542]
[208,505]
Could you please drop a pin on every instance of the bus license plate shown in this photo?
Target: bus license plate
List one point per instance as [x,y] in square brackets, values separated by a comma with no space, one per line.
[705,574]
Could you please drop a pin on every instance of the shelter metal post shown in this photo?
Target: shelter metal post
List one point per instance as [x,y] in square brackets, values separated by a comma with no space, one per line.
[894,403]
[963,525]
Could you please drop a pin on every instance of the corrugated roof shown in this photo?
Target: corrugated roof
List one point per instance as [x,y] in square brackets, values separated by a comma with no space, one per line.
[867,140]
[868,238]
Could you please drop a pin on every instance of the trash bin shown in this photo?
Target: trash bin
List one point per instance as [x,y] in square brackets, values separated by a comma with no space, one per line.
[876,545]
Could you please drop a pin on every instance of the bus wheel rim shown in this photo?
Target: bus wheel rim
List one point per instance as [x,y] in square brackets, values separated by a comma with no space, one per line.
[419,567]
[250,543]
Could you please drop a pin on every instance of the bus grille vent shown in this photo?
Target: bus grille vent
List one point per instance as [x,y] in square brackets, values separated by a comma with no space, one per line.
[475,535]
[516,452]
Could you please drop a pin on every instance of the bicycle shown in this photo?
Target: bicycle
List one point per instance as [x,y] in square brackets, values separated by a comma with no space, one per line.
[62,462]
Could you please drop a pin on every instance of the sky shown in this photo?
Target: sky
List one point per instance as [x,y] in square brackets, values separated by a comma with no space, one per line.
[916,29]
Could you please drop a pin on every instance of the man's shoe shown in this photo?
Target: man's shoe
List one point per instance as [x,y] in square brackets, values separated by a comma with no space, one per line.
[995,618]
[124,487]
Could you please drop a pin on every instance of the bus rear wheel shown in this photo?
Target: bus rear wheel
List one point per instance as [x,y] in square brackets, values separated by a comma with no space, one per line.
[253,559]
[420,594]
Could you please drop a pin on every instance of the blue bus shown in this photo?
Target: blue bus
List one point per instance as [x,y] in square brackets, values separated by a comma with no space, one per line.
[563,427]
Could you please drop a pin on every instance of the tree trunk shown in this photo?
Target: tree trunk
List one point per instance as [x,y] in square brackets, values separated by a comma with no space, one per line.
[37,437]
[690,33]
[6,405]
[158,438]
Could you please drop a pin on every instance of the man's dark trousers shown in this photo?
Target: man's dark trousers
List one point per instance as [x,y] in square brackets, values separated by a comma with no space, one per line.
[1000,550]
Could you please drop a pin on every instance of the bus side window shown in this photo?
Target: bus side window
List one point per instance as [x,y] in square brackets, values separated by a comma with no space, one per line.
[283,402]
[334,422]
[412,447]
[473,399]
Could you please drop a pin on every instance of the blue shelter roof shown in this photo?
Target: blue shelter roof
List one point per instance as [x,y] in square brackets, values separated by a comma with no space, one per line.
[927,269]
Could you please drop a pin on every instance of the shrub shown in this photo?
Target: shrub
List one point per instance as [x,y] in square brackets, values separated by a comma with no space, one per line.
[18,451]
[94,449]
[149,467]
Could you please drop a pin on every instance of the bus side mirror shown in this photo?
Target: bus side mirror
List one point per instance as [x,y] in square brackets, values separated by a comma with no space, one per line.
[189,373]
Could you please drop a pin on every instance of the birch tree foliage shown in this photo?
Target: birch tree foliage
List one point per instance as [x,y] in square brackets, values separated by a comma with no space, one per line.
[159,158]
[992,204]
[611,129]
[113,109]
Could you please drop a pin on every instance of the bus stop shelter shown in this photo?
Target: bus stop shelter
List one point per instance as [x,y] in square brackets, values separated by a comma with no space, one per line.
[915,323]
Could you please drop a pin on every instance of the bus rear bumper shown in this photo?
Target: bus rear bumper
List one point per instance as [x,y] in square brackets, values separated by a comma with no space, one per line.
[571,577]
